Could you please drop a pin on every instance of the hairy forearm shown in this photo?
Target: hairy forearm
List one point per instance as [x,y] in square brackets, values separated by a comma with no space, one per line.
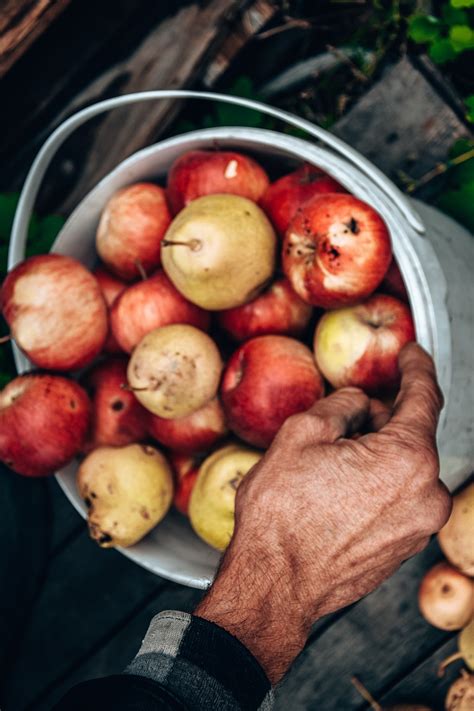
[254,599]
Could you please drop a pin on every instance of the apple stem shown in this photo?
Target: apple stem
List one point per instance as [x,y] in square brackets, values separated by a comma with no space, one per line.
[365,693]
[5,339]
[128,388]
[193,244]
[141,270]
[446,662]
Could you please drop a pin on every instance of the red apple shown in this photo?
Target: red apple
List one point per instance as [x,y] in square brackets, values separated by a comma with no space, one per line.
[336,250]
[118,418]
[43,423]
[56,311]
[268,379]
[195,432]
[186,468]
[111,287]
[199,173]
[132,225]
[393,283]
[359,345]
[150,304]
[285,196]
[277,310]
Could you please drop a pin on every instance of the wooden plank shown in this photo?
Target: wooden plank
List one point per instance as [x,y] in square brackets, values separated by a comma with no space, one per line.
[117,652]
[88,594]
[402,123]
[378,640]
[21,23]
[422,684]
[171,56]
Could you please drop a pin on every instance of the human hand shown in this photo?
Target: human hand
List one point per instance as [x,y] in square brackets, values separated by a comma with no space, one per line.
[322,520]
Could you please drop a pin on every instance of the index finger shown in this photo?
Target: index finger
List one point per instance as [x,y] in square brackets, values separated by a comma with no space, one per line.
[419,401]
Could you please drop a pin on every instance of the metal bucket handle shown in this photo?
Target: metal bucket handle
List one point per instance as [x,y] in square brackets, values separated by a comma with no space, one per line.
[49,148]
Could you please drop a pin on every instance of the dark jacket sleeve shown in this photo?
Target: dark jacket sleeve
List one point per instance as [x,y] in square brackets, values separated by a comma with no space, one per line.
[184,663]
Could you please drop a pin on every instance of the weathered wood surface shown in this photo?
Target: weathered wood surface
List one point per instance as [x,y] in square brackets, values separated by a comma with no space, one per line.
[21,22]
[402,124]
[379,640]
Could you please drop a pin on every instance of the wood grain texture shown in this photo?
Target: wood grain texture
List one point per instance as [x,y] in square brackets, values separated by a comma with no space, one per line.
[21,22]
[379,640]
[170,57]
[402,123]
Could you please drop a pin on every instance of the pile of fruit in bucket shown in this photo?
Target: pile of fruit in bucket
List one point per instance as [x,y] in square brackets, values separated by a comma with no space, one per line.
[222,305]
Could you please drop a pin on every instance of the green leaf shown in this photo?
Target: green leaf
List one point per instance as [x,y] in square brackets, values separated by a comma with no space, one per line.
[441,51]
[423,28]
[458,204]
[8,203]
[453,16]
[462,3]
[461,37]
[469,101]
[45,234]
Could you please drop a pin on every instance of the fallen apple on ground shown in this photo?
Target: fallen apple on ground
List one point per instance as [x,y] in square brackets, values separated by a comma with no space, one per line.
[131,228]
[196,432]
[220,251]
[56,311]
[175,370]
[359,345]
[127,491]
[111,287]
[117,416]
[336,250]
[199,173]
[277,310]
[287,195]
[43,423]
[150,304]
[446,597]
[266,380]
[456,536]
[212,503]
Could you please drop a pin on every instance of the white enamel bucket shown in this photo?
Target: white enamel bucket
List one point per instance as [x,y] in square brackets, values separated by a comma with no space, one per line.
[434,253]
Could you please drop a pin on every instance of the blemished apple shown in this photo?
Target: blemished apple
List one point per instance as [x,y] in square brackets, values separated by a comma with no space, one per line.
[111,287]
[43,423]
[131,228]
[212,502]
[195,433]
[117,416]
[393,283]
[186,468]
[199,173]
[266,380]
[336,250]
[127,491]
[150,304]
[359,345]
[175,370]
[56,311]
[220,251]
[285,196]
[277,310]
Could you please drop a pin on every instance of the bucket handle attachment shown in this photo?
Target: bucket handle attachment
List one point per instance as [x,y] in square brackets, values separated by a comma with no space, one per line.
[59,135]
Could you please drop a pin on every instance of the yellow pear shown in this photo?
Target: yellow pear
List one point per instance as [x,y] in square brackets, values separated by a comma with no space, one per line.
[212,503]
[175,370]
[127,491]
[219,251]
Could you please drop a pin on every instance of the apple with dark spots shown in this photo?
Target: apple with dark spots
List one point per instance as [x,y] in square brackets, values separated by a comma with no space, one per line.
[285,196]
[199,173]
[336,250]
[359,345]
[277,310]
[117,416]
[266,380]
[43,423]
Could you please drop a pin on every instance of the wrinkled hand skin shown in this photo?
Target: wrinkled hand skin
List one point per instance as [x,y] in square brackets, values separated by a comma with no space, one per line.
[323,519]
